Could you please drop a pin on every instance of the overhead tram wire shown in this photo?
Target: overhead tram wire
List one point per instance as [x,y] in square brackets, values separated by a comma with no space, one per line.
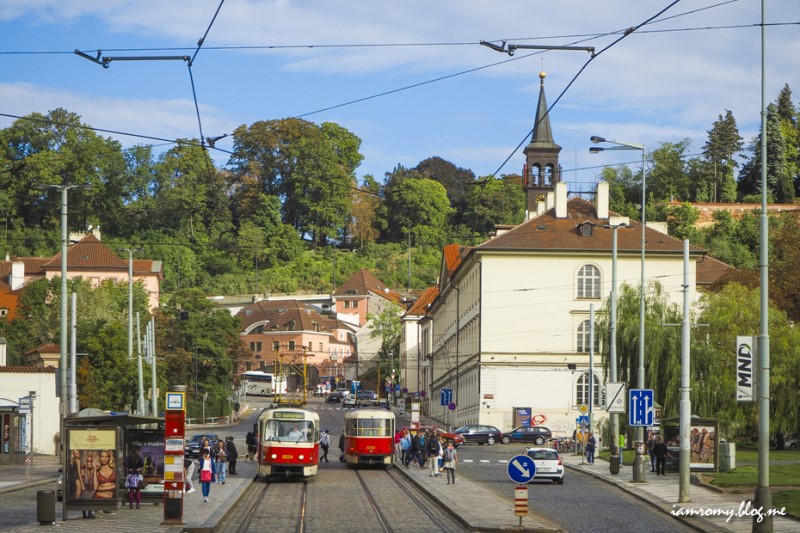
[594,56]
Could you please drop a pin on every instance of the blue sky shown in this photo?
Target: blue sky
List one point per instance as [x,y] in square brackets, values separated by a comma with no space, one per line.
[669,80]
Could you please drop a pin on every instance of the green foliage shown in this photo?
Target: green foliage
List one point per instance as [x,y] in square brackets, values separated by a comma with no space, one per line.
[419,206]
[681,221]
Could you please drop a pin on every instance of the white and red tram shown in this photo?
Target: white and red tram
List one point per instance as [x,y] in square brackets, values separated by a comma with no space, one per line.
[288,442]
[369,436]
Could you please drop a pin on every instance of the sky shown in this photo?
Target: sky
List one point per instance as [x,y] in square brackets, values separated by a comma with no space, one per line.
[409,78]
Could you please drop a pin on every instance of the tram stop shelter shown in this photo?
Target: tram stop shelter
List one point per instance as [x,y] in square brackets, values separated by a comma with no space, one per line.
[95,448]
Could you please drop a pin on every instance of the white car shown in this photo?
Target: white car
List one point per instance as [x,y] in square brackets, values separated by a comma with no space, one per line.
[350,401]
[548,464]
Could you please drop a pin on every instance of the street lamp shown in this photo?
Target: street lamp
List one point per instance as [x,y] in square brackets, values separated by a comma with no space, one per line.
[612,345]
[62,385]
[131,251]
[638,464]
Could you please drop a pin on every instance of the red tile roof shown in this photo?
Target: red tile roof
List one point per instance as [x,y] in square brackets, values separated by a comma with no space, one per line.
[281,312]
[48,347]
[420,307]
[88,254]
[362,283]
[20,369]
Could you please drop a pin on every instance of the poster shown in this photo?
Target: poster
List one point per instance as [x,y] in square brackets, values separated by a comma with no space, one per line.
[92,467]
[151,448]
[702,446]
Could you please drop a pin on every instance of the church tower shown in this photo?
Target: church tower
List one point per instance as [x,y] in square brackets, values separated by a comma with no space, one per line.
[542,171]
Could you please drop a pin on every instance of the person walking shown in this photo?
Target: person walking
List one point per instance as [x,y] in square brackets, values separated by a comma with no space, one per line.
[415,447]
[432,447]
[621,446]
[450,463]
[135,479]
[591,443]
[324,444]
[221,459]
[341,448]
[233,455]
[188,467]
[651,449]
[208,471]
[660,451]
[405,448]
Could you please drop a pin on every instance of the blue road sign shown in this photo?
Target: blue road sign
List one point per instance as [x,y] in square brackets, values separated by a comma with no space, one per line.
[446,397]
[583,420]
[521,469]
[641,408]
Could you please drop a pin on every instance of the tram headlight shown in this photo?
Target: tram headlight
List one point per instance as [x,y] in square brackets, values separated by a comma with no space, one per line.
[274,456]
[302,456]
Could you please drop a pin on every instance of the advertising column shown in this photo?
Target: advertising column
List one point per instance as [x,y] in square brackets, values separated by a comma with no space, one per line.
[174,421]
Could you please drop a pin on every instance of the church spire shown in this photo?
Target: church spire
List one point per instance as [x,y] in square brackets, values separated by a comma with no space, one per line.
[542,170]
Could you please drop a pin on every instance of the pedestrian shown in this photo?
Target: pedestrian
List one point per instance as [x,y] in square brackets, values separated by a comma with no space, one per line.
[208,472]
[450,463]
[341,448]
[405,448]
[660,451]
[423,443]
[432,447]
[591,443]
[415,447]
[188,467]
[621,446]
[440,461]
[135,479]
[651,450]
[221,459]
[324,444]
[233,455]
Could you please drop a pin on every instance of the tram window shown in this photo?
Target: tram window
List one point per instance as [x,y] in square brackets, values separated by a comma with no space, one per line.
[289,431]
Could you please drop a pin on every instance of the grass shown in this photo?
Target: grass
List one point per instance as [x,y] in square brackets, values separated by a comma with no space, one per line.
[790,499]
[747,476]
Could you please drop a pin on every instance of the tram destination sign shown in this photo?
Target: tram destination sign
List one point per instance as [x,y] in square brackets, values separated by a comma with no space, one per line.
[288,415]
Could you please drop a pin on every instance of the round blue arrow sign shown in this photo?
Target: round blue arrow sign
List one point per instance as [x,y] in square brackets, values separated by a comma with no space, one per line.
[521,469]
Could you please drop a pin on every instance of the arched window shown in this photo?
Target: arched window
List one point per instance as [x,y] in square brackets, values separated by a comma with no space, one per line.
[583,340]
[582,390]
[589,282]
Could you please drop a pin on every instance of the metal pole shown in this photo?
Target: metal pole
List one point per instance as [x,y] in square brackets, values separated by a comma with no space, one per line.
[64,310]
[32,396]
[763,495]
[686,386]
[154,411]
[638,462]
[130,304]
[591,371]
[141,405]
[73,356]
[614,421]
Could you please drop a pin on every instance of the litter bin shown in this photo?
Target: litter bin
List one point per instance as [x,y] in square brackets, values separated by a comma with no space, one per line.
[46,507]
[614,460]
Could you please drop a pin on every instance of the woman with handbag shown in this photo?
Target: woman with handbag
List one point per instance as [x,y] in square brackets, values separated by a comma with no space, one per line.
[135,481]
[208,471]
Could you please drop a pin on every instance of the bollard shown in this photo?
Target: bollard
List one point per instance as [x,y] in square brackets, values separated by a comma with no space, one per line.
[614,461]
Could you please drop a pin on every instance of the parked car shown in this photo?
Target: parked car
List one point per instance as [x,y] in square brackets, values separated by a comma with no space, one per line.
[455,438]
[367,398]
[548,464]
[480,434]
[350,401]
[533,434]
[192,447]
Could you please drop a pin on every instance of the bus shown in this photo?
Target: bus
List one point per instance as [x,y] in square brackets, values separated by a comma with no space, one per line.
[259,383]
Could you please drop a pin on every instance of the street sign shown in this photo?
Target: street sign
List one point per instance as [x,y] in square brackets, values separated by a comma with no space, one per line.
[521,469]
[583,421]
[25,405]
[641,409]
[583,409]
[745,374]
[446,397]
[615,392]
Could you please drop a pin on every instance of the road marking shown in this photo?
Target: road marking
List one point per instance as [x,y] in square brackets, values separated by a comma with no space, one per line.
[485,461]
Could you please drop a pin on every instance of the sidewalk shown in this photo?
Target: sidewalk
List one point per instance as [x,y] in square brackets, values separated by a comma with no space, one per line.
[662,493]
[198,516]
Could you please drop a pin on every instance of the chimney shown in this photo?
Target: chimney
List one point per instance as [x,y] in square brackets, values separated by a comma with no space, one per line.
[561,200]
[602,200]
[2,351]
[17,275]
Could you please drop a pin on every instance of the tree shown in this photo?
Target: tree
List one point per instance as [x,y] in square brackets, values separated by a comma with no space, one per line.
[723,143]
[363,226]
[681,221]
[779,182]
[419,206]
[493,202]
[456,180]
[668,179]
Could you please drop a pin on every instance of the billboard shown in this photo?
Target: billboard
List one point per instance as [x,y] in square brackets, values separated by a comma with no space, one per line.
[92,466]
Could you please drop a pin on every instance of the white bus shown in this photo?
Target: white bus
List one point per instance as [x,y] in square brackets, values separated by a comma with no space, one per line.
[262,384]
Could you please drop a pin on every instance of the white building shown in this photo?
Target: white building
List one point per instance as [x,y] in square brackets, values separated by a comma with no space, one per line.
[510,325]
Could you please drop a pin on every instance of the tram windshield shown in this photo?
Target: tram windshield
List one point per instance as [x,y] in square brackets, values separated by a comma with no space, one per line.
[289,431]
[369,427]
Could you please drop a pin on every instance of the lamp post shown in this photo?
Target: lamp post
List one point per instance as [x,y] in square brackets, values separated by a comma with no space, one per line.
[612,333]
[62,370]
[638,463]
[141,402]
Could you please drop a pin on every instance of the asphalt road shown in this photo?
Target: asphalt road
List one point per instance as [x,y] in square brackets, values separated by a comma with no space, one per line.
[582,503]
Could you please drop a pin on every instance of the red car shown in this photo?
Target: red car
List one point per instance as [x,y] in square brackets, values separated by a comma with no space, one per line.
[456,439]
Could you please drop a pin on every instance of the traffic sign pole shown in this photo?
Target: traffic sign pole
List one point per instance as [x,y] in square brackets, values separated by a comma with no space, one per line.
[521,502]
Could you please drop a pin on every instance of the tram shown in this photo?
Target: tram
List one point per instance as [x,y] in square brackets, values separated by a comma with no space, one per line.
[288,442]
[369,436]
